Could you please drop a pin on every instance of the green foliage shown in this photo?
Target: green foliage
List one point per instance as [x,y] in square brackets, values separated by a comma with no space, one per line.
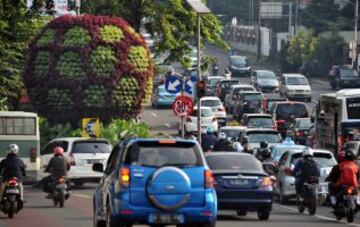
[60,99]
[125,93]
[302,48]
[119,129]
[47,38]
[111,33]
[139,58]
[70,65]
[172,21]
[42,63]
[148,91]
[103,61]
[95,96]
[77,36]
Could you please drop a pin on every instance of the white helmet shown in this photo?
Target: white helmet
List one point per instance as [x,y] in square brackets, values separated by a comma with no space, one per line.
[13,149]
[222,135]
[307,152]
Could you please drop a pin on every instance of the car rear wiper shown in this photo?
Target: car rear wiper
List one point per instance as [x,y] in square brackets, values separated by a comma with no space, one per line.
[181,165]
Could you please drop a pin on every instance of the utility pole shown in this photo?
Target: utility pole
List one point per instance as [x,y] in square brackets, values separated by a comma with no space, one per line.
[290,18]
[78,6]
[259,33]
[354,57]
[296,29]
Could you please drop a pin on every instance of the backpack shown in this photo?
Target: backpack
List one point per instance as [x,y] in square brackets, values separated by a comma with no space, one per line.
[309,169]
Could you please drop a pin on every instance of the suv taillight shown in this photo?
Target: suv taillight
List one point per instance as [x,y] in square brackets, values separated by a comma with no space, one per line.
[124,174]
[209,179]
[72,159]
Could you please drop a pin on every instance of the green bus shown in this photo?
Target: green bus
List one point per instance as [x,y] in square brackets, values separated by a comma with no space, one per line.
[22,128]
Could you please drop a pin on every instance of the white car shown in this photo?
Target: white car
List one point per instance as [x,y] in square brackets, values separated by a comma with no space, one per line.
[295,86]
[216,106]
[81,153]
[208,120]
[285,185]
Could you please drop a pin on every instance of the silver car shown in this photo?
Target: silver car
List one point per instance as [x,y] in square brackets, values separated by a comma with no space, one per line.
[285,185]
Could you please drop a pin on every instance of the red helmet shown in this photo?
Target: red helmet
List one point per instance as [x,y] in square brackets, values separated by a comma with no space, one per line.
[341,156]
[58,151]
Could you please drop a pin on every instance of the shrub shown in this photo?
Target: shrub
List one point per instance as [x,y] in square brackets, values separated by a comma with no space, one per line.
[95,66]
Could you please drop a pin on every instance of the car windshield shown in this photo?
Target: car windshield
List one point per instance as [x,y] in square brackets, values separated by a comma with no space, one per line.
[291,110]
[233,162]
[297,81]
[266,75]
[232,133]
[227,84]
[212,82]
[90,147]
[210,103]
[323,160]
[348,73]
[304,123]
[204,113]
[270,137]
[278,152]
[260,122]
[238,61]
[252,97]
[154,154]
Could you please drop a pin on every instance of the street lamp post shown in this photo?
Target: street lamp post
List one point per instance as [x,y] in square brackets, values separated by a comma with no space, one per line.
[354,57]
[200,8]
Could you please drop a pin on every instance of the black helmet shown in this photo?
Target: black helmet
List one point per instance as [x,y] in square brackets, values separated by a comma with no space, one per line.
[266,153]
[350,153]
[245,140]
[263,144]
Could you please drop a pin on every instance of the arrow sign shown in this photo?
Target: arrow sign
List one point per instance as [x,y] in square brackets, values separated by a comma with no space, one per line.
[173,84]
[189,86]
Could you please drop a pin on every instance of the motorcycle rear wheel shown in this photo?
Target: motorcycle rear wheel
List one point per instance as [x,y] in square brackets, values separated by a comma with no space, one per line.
[300,205]
[350,216]
[311,205]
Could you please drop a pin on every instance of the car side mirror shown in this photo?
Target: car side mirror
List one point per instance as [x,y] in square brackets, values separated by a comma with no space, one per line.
[98,167]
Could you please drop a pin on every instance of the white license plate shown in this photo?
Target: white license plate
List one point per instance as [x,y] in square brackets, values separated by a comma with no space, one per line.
[92,161]
[166,218]
[12,191]
[239,182]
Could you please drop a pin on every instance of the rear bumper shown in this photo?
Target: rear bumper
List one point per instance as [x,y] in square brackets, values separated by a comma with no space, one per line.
[84,175]
[123,211]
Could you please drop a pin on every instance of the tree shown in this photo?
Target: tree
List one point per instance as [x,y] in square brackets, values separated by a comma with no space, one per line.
[302,48]
[16,29]
[320,15]
[171,22]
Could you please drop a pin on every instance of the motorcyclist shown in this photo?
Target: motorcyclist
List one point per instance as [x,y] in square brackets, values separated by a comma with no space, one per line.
[246,145]
[215,69]
[304,169]
[227,73]
[333,176]
[269,165]
[58,165]
[223,144]
[259,154]
[12,166]
[289,139]
[346,172]
[209,140]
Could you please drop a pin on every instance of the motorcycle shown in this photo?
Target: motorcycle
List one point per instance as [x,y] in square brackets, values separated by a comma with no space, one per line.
[60,191]
[309,197]
[346,203]
[11,202]
[215,70]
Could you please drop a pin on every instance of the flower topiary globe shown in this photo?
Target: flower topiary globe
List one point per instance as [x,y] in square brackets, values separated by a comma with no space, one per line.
[88,66]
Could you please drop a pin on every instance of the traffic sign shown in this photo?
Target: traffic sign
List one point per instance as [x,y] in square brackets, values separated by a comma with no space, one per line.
[90,127]
[183,106]
[190,84]
[234,21]
[173,84]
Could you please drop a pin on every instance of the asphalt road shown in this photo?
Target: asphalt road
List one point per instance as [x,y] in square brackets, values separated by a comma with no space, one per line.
[39,212]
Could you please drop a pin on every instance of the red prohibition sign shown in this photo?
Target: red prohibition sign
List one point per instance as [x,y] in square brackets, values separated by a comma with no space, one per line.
[183,106]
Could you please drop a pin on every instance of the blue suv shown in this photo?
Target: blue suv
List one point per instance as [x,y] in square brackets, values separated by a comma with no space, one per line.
[156,182]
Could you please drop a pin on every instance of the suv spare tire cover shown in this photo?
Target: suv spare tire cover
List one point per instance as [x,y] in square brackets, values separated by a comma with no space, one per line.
[169,188]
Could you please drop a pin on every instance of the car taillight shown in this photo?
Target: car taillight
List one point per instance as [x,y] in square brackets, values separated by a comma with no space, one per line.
[188,119]
[72,159]
[124,174]
[33,155]
[288,171]
[221,109]
[209,179]
[264,104]
[280,122]
[266,181]
[299,133]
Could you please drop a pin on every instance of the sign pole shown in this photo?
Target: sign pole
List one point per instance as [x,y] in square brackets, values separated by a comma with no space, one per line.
[183,117]
[199,75]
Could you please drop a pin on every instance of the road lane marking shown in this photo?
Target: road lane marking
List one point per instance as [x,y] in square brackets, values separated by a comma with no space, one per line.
[154,114]
[82,196]
[167,125]
[319,216]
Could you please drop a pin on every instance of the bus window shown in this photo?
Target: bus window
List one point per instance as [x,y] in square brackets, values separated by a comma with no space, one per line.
[18,126]
[353,108]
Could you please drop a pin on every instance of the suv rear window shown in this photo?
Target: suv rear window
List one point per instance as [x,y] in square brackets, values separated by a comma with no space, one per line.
[211,103]
[91,147]
[155,154]
[204,113]
[233,162]
[260,122]
[252,97]
[287,111]
[270,137]
[322,159]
